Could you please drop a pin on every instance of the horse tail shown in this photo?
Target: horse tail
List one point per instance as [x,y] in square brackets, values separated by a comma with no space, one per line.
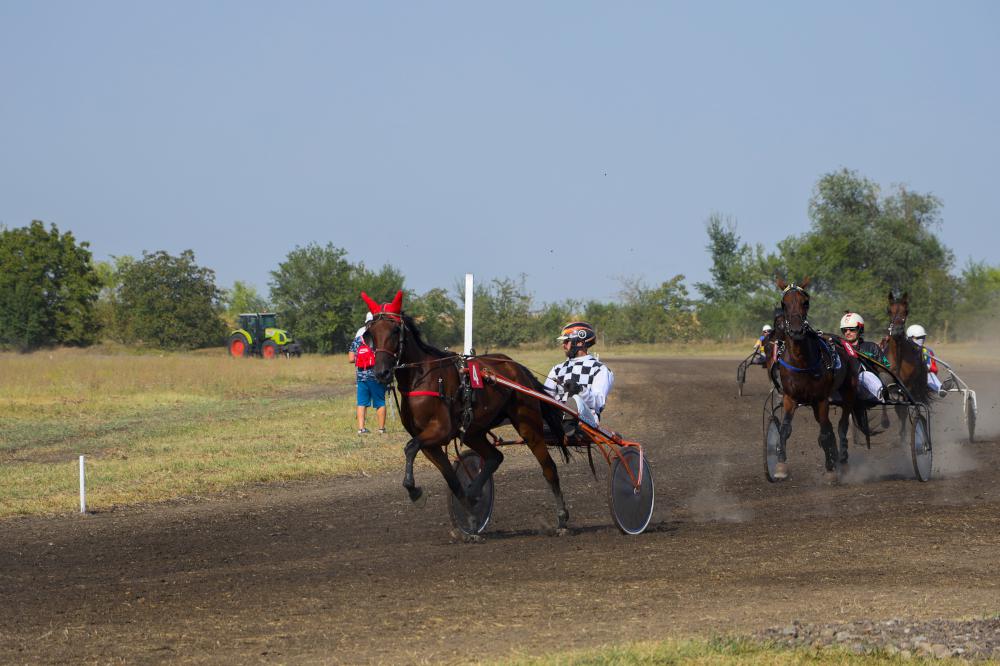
[551,415]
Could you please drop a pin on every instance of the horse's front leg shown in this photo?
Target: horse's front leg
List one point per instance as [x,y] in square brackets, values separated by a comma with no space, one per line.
[827,441]
[410,451]
[842,427]
[785,431]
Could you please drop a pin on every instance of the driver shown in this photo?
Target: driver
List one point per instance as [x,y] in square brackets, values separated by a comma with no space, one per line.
[581,376]
[759,353]
[918,336]
[852,328]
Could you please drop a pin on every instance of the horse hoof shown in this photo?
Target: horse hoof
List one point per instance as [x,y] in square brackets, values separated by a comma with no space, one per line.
[418,498]
[781,471]
[562,531]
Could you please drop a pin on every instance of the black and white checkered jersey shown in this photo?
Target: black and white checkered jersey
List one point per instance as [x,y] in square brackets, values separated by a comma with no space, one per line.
[594,377]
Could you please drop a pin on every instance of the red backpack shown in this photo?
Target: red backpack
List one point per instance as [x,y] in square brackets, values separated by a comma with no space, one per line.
[364,357]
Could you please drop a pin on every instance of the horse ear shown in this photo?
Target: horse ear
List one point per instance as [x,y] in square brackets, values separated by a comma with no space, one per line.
[396,307]
[373,307]
[892,299]
[805,282]
[781,284]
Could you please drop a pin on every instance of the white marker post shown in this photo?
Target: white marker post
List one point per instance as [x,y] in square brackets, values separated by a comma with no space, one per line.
[83,487]
[468,314]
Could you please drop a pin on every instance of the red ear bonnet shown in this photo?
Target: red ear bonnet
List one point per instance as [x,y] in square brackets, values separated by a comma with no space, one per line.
[396,307]
[374,307]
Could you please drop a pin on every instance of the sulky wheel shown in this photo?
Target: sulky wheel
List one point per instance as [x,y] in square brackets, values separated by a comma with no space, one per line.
[971,411]
[467,467]
[631,507]
[238,347]
[772,439]
[920,448]
[269,349]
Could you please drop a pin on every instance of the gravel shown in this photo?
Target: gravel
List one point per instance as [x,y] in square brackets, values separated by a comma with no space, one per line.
[966,639]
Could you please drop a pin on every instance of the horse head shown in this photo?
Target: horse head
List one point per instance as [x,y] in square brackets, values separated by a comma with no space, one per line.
[898,310]
[385,334]
[794,307]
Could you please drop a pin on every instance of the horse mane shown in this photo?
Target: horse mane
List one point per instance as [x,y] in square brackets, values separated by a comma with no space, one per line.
[418,338]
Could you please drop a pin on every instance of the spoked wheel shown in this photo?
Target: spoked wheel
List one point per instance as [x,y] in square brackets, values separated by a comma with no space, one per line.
[631,507]
[971,411]
[238,346]
[467,467]
[920,448]
[772,439]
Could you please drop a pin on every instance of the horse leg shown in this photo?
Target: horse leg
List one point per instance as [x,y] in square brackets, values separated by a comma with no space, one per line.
[842,427]
[826,439]
[901,414]
[531,430]
[437,455]
[492,457]
[410,451]
[785,431]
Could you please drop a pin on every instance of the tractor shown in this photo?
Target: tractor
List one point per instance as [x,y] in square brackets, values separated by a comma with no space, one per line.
[258,335]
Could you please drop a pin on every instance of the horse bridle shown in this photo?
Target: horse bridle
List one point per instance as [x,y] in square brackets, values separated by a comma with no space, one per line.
[893,322]
[398,354]
[785,318]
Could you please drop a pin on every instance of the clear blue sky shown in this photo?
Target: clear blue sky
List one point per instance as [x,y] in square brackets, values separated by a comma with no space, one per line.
[574,142]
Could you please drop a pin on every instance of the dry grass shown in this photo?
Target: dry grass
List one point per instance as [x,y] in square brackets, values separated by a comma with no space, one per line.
[155,427]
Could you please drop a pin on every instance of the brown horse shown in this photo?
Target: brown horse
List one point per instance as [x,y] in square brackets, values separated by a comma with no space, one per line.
[812,369]
[438,405]
[905,357]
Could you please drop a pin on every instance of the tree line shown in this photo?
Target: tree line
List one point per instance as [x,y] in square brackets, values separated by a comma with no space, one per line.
[861,243]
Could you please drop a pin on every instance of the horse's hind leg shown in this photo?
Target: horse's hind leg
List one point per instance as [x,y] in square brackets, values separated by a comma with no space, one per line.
[842,427]
[902,415]
[492,457]
[531,431]
[784,432]
[437,455]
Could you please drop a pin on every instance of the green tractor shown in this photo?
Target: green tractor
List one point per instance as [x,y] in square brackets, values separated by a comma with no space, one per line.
[259,335]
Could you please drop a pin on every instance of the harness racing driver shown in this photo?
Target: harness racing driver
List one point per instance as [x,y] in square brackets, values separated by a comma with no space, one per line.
[852,328]
[581,377]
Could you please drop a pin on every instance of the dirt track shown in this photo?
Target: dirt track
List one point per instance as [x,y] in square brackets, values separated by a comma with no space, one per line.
[348,571]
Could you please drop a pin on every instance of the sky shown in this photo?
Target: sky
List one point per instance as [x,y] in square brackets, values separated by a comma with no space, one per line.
[581,144]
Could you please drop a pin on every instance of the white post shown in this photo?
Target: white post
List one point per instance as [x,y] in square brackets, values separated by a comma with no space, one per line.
[468,314]
[83,487]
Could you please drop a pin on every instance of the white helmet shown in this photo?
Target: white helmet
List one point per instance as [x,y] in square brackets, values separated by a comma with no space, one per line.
[852,320]
[916,331]
[767,329]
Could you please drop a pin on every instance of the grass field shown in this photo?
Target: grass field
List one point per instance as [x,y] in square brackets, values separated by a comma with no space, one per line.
[162,426]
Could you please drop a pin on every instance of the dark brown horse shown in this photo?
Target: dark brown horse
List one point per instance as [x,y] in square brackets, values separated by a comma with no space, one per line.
[905,357]
[812,369]
[437,404]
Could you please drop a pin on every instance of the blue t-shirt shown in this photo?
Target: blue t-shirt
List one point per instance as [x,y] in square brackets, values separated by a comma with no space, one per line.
[366,374]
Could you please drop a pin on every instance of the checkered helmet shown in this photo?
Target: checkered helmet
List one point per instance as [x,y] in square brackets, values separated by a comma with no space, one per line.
[578,332]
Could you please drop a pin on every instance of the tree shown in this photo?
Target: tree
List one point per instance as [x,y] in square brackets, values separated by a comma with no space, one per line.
[862,244]
[441,319]
[501,312]
[242,298]
[168,302]
[317,292]
[48,287]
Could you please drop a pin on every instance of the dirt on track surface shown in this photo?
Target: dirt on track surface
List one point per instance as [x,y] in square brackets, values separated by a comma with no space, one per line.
[348,571]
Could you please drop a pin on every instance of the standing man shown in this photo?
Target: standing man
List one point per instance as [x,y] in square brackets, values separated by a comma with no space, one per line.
[370,392]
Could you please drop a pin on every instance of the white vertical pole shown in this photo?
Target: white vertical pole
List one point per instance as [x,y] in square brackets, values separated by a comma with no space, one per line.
[83,487]
[468,314]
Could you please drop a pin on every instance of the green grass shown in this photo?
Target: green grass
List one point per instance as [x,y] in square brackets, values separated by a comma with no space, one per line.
[717,652]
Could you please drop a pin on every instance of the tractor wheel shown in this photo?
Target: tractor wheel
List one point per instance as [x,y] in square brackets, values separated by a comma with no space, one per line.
[269,349]
[238,347]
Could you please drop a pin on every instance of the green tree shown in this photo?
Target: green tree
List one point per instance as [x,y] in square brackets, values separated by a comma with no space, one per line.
[440,317]
[168,302]
[501,312]
[977,306]
[48,287]
[741,295]
[862,244]
[317,291]
[242,298]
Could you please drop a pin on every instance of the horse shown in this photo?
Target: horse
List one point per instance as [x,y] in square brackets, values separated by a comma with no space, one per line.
[905,357]
[438,405]
[811,369]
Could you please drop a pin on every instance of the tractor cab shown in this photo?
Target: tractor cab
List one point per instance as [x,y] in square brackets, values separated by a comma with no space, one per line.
[258,335]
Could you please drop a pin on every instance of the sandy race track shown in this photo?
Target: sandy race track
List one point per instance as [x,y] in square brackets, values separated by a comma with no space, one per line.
[348,571]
